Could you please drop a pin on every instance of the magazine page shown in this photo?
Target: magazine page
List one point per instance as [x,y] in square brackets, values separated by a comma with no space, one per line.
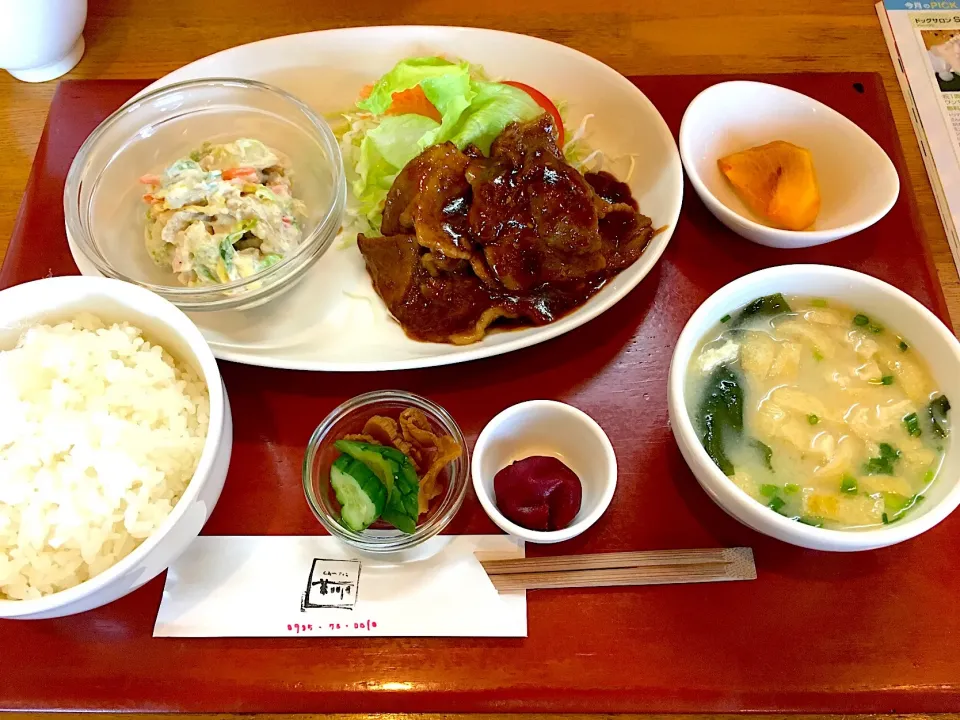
[925,153]
[928,42]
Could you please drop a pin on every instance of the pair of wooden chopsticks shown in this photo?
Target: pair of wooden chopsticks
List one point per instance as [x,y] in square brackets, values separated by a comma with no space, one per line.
[650,567]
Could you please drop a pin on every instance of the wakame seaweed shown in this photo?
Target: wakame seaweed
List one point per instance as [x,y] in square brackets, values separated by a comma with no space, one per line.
[937,414]
[766,306]
[720,415]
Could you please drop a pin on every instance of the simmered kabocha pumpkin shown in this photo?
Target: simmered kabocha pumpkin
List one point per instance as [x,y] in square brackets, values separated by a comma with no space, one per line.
[777,182]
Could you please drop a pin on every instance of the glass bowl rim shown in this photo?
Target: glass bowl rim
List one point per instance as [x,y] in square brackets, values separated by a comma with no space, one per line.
[84,239]
[448,508]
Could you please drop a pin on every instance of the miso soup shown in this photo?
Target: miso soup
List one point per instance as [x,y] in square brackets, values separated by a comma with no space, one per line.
[818,411]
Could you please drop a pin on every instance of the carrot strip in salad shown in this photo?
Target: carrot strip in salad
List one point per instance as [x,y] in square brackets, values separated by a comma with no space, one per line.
[407,102]
[413,102]
[238,172]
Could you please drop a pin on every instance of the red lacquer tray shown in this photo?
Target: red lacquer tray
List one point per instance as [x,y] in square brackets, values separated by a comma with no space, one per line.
[868,632]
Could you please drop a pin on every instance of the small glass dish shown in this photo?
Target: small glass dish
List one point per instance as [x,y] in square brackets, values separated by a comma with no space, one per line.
[102,199]
[349,418]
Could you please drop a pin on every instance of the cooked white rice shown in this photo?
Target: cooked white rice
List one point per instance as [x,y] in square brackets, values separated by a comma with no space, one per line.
[100,432]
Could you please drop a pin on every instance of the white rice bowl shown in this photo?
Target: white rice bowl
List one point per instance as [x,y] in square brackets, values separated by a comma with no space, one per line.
[100,434]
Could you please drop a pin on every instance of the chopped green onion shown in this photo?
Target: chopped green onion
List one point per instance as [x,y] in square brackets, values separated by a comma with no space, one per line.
[776,503]
[818,302]
[875,329]
[817,355]
[928,477]
[769,490]
[791,488]
[883,465]
[887,450]
[811,521]
[813,419]
[885,380]
[912,423]
[848,485]
[896,505]
[861,320]
[903,346]
[725,318]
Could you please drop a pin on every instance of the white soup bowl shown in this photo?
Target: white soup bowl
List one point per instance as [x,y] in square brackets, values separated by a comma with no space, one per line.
[894,309]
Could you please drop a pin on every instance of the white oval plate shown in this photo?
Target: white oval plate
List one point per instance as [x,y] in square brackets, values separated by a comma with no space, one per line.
[333,320]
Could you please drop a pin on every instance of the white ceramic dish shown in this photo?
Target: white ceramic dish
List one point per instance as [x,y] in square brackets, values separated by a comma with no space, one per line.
[553,429]
[333,320]
[858,182]
[57,299]
[926,335]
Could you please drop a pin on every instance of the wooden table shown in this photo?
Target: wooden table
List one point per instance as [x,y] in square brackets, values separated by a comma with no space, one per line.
[146,40]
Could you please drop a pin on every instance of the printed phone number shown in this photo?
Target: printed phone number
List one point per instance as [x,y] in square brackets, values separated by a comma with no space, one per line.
[300,628]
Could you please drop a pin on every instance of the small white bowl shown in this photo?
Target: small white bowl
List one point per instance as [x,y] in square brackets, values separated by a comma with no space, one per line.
[927,336]
[553,429]
[858,182]
[60,298]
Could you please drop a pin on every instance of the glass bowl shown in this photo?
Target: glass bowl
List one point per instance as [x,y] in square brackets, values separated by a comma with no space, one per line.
[102,200]
[350,418]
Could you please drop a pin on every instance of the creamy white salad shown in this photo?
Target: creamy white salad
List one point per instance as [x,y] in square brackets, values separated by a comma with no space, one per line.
[223,213]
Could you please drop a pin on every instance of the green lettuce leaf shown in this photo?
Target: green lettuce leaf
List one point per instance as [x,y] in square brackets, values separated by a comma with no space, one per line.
[451,94]
[493,108]
[410,73]
[471,111]
[384,151]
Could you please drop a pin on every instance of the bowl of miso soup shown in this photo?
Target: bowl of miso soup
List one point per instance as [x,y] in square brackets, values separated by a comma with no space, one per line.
[813,404]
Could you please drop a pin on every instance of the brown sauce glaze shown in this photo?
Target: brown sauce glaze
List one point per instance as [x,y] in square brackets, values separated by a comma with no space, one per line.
[518,238]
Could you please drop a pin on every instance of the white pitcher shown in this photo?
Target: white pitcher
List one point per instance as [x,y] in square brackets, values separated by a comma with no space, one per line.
[41,39]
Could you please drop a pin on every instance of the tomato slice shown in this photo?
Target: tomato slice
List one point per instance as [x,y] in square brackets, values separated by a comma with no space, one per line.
[543,101]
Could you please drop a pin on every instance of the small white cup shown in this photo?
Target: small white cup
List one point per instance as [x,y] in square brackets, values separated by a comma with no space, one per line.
[553,429]
[41,39]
